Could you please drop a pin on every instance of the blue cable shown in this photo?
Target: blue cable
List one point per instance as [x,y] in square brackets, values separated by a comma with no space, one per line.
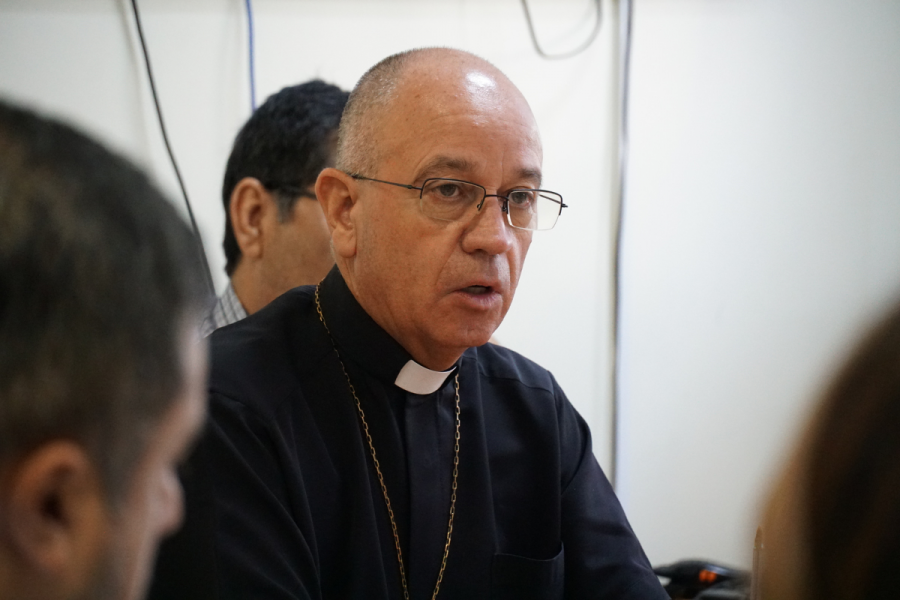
[249,5]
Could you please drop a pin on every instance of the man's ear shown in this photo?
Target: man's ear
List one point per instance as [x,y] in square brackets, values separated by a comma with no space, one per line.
[250,205]
[337,194]
[58,520]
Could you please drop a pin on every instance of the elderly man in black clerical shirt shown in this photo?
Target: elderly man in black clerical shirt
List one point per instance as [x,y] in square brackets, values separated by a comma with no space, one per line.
[365,440]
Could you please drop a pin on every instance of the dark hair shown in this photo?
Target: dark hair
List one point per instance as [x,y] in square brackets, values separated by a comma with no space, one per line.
[99,277]
[852,476]
[285,145]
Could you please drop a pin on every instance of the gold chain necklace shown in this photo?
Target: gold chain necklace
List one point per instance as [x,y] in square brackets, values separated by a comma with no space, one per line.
[384,492]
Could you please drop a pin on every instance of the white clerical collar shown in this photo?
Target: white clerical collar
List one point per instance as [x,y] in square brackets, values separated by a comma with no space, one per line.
[416,379]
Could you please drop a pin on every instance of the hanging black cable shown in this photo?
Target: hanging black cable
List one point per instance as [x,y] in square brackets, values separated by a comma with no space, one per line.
[625,20]
[579,49]
[251,58]
[165,137]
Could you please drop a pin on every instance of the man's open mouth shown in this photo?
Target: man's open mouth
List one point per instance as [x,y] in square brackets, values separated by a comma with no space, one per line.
[478,289]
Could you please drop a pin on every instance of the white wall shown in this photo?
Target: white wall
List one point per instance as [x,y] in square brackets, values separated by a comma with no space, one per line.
[80,59]
[761,234]
[764,195]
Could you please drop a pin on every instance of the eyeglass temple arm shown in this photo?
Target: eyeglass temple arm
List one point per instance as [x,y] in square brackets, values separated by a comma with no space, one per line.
[402,185]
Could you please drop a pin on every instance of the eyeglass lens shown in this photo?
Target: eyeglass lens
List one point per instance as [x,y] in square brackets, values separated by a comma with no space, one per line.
[451,200]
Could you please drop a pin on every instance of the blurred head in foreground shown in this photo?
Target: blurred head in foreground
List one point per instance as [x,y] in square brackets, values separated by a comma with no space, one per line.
[832,527]
[101,373]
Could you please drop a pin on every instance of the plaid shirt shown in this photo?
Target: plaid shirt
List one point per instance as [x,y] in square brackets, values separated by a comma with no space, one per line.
[228,310]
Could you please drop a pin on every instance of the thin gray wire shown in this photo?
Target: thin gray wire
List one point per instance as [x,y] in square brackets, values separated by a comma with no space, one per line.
[625,24]
[571,53]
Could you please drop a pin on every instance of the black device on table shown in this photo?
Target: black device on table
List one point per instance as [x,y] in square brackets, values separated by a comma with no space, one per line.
[704,580]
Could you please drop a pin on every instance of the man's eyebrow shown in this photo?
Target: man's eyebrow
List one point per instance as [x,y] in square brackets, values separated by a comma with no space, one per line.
[440,165]
[531,175]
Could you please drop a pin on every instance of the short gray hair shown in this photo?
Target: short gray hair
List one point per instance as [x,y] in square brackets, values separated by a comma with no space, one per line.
[358,150]
[356,147]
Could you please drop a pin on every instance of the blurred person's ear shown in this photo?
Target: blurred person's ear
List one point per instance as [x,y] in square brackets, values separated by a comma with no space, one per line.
[57,517]
[251,209]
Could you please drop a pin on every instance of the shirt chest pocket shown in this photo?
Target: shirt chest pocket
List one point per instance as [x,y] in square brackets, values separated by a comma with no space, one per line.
[520,578]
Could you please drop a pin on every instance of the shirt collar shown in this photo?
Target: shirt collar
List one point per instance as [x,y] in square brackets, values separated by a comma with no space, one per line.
[417,379]
[361,339]
[227,310]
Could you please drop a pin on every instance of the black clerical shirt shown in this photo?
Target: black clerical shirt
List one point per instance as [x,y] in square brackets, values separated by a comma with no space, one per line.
[283,499]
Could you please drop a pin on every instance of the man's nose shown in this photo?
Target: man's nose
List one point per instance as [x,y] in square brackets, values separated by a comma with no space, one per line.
[489,230]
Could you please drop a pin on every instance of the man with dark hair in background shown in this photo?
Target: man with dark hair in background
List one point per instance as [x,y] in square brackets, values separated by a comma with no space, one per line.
[276,237]
[101,372]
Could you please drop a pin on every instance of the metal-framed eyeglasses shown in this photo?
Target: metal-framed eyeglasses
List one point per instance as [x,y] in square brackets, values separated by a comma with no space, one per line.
[456,200]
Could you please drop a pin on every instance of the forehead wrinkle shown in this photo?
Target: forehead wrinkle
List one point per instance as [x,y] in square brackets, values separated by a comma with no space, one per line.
[416,108]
